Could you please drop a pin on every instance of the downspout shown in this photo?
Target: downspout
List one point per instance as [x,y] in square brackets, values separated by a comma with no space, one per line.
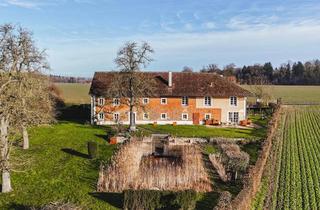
[245,108]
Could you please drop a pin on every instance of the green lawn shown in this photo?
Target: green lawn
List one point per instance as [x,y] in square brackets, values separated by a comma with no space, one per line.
[205,132]
[57,168]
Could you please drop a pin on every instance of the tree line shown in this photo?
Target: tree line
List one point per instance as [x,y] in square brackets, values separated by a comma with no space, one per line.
[290,73]
[66,79]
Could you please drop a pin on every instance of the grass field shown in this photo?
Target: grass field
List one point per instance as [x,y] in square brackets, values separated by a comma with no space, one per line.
[56,168]
[75,93]
[294,94]
[78,93]
[205,132]
[295,177]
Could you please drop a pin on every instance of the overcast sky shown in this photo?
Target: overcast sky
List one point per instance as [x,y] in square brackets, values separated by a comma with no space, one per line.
[83,36]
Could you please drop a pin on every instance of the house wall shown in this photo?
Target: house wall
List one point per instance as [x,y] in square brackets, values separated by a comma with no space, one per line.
[224,105]
[174,109]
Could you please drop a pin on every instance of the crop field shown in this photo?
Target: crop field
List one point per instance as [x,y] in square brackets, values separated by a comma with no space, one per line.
[295,177]
[74,93]
[292,94]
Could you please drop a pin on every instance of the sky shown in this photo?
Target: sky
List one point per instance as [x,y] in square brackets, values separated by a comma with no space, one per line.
[83,36]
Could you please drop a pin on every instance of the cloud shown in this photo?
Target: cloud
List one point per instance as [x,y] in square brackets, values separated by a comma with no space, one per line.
[37,4]
[209,25]
[188,26]
[23,3]
[275,43]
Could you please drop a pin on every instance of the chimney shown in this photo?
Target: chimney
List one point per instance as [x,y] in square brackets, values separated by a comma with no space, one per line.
[170,79]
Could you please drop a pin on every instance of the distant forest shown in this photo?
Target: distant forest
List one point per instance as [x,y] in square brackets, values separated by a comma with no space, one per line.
[64,79]
[291,73]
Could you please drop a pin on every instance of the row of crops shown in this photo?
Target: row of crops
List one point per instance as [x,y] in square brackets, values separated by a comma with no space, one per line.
[292,178]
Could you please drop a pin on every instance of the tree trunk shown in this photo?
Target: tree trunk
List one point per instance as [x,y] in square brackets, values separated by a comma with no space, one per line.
[6,181]
[132,120]
[25,137]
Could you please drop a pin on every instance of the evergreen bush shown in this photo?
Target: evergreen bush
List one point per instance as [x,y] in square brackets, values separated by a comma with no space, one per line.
[92,149]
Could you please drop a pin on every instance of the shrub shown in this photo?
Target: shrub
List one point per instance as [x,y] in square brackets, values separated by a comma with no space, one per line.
[234,159]
[141,199]
[186,199]
[155,199]
[92,149]
[224,202]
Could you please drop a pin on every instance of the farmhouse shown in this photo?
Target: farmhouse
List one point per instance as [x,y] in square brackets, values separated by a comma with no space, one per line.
[179,98]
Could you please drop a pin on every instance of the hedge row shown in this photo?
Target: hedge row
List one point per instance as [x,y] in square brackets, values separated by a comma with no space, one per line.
[155,199]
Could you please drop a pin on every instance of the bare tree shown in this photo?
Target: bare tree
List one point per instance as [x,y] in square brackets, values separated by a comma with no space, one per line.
[130,84]
[22,89]
[211,68]
[262,90]
[36,106]
[187,69]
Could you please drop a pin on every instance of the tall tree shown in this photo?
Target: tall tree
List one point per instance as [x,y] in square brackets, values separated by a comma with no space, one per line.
[20,64]
[229,70]
[268,71]
[297,72]
[130,85]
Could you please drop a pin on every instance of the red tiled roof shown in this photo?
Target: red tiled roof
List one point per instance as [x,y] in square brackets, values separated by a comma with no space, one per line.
[184,84]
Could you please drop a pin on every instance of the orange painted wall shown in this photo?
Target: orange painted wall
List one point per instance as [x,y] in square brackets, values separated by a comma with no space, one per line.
[173,108]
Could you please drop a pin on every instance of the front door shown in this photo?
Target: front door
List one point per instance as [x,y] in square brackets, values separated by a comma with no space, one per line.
[196,118]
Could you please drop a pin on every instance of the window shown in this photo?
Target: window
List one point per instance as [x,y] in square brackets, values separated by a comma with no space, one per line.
[184,101]
[207,116]
[146,116]
[101,116]
[145,100]
[234,117]
[233,101]
[207,101]
[101,101]
[184,116]
[116,102]
[163,100]
[164,116]
[116,117]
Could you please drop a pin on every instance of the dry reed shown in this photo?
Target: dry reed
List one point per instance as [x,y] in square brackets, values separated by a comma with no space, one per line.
[133,167]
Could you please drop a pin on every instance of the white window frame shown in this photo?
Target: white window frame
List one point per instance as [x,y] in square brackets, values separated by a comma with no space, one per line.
[166,100]
[182,118]
[144,117]
[101,101]
[207,114]
[116,101]
[99,116]
[233,101]
[114,116]
[207,99]
[166,116]
[184,100]
[145,100]
[232,118]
